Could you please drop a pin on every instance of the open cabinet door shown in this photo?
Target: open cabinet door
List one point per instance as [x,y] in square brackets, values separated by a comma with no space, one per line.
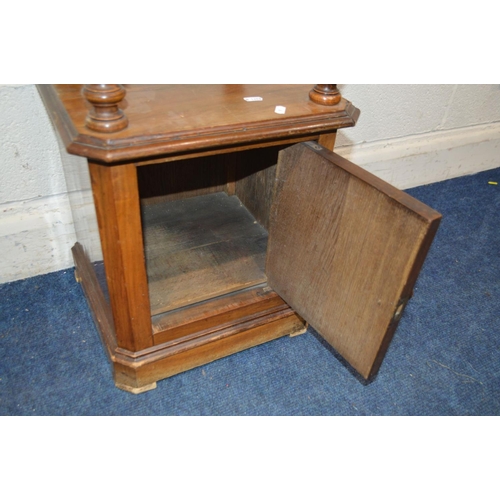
[345,249]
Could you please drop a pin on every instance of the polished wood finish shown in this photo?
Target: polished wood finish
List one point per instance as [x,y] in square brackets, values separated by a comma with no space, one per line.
[116,199]
[345,249]
[104,114]
[185,196]
[218,311]
[175,137]
[141,371]
[325,94]
[138,371]
[168,120]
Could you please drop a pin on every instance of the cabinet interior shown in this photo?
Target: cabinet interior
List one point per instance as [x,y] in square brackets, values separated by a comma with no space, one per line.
[205,228]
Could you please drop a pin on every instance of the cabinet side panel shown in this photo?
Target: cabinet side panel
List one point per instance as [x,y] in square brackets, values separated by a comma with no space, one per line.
[76,173]
[255,181]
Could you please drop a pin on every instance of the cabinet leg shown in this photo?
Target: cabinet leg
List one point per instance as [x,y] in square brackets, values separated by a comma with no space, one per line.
[301,331]
[117,203]
[129,380]
[136,390]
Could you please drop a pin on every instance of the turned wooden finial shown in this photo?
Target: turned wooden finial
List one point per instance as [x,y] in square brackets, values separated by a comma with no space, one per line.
[105,115]
[326,94]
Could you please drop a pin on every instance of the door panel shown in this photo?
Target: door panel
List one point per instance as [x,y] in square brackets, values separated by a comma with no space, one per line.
[344,250]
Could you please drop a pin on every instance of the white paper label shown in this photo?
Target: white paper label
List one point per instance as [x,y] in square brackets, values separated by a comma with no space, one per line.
[281,110]
[253,99]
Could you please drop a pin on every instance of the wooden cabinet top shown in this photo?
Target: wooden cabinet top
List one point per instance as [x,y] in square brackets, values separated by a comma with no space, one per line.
[168,120]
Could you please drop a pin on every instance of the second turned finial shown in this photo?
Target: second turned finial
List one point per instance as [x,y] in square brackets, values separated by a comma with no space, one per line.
[105,115]
[326,94]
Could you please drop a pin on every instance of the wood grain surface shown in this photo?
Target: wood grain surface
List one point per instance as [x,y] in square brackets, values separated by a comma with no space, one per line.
[209,313]
[173,119]
[116,199]
[200,248]
[344,250]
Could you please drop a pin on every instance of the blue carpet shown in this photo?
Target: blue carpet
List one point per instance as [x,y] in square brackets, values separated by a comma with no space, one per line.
[444,359]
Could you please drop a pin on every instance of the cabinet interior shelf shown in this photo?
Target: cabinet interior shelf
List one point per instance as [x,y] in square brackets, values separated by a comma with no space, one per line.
[200,248]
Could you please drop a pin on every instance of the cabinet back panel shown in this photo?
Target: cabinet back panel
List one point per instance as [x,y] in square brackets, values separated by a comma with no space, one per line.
[179,180]
[248,174]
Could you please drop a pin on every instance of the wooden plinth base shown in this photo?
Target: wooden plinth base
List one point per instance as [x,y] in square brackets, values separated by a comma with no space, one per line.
[138,372]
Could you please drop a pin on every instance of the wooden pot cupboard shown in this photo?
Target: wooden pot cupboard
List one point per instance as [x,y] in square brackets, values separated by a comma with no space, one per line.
[226,220]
